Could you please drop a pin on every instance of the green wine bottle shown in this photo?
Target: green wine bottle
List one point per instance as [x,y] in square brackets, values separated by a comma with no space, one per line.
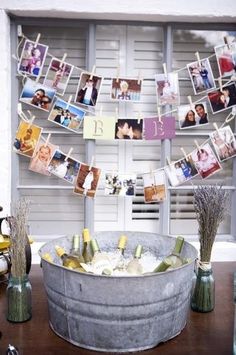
[163,266]
[69,261]
[134,267]
[75,250]
[174,258]
[86,253]
[100,261]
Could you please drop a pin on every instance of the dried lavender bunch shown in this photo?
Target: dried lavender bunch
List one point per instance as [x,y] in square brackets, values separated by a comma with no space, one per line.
[18,236]
[210,204]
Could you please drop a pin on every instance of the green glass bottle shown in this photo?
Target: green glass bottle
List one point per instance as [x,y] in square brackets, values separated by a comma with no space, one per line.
[174,258]
[69,261]
[163,266]
[100,261]
[75,250]
[118,261]
[134,267]
[86,253]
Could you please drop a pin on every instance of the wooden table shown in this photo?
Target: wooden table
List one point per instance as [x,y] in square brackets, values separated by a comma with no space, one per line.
[209,333]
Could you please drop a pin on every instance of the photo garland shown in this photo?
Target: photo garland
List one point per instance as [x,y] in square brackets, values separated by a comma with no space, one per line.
[47,158]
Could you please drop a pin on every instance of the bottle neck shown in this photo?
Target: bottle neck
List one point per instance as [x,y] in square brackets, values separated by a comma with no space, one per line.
[76,243]
[138,251]
[178,246]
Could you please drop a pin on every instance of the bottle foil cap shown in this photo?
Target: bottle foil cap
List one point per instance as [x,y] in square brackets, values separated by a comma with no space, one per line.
[122,242]
[86,235]
[60,251]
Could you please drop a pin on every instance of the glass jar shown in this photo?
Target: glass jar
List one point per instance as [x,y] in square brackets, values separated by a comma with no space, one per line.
[203,298]
[19,302]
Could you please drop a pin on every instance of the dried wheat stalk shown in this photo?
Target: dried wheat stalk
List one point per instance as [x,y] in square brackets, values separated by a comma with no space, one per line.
[210,204]
[18,236]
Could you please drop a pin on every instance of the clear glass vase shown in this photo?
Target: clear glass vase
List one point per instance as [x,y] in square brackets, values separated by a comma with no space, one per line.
[203,297]
[19,294]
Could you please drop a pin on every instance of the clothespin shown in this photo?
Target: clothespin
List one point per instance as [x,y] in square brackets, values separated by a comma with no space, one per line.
[91,163]
[159,114]
[116,113]
[197,145]
[92,73]
[14,57]
[184,153]
[198,58]
[100,111]
[47,140]
[230,117]
[68,102]
[151,172]
[139,77]
[68,154]
[190,102]
[37,40]
[63,60]
[118,73]
[139,117]
[226,41]
[165,70]
[31,120]
[216,127]
[220,83]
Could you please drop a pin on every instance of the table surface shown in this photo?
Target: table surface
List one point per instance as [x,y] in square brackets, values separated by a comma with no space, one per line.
[205,333]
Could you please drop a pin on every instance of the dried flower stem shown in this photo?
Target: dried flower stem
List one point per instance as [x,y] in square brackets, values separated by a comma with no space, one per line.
[18,235]
[211,205]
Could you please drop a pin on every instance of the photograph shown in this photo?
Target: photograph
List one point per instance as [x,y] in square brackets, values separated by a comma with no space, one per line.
[32,58]
[159,129]
[26,138]
[154,184]
[129,129]
[201,76]
[42,156]
[181,171]
[88,89]
[67,115]
[224,143]
[192,116]
[223,99]
[167,89]
[205,161]
[64,167]
[126,89]
[87,181]
[226,59]
[58,75]
[38,95]
[120,184]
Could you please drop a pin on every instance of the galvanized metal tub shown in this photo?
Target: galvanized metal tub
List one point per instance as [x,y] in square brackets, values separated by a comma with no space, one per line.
[118,313]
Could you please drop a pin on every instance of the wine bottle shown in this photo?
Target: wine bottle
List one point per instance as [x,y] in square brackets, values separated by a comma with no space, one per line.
[75,250]
[118,261]
[134,267]
[100,261]
[174,258]
[163,266]
[85,253]
[69,261]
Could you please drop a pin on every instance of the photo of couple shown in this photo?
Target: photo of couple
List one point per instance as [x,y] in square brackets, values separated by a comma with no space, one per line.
[181,171]
[129,129]
[223,98]
[32,58]
[38,95]
[201,76]
[192,116]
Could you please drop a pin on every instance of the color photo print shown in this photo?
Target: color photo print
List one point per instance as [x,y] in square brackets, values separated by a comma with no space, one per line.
[129,129]
[120,184]
[26,138]
[42,157]
[222,99]
[226,59]
[167,89]
[37,95]
[201,76]
[126,89]
[67,115]
[88,89]
[32,58]
[181,171]
[192,116]
[154,184]
[205,161]
[87,181]
[224,143]
[64,167]
[58,75]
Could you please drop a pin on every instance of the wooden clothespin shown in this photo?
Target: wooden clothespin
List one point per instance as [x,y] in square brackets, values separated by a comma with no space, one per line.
[197,145]
[116,113]
[68,154]
[151,172]
[92,73]
[226,40]
[31,119]
[118,73]
[198,58]
[159,114]
[220,83]
[230,117]
[101,110]
[190,102]
[165,71]
[47,140]
[37,40]
[184,153]
[63,60]
[68,102]
[139,117]
[216,127]
[139,77]
[91,163]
